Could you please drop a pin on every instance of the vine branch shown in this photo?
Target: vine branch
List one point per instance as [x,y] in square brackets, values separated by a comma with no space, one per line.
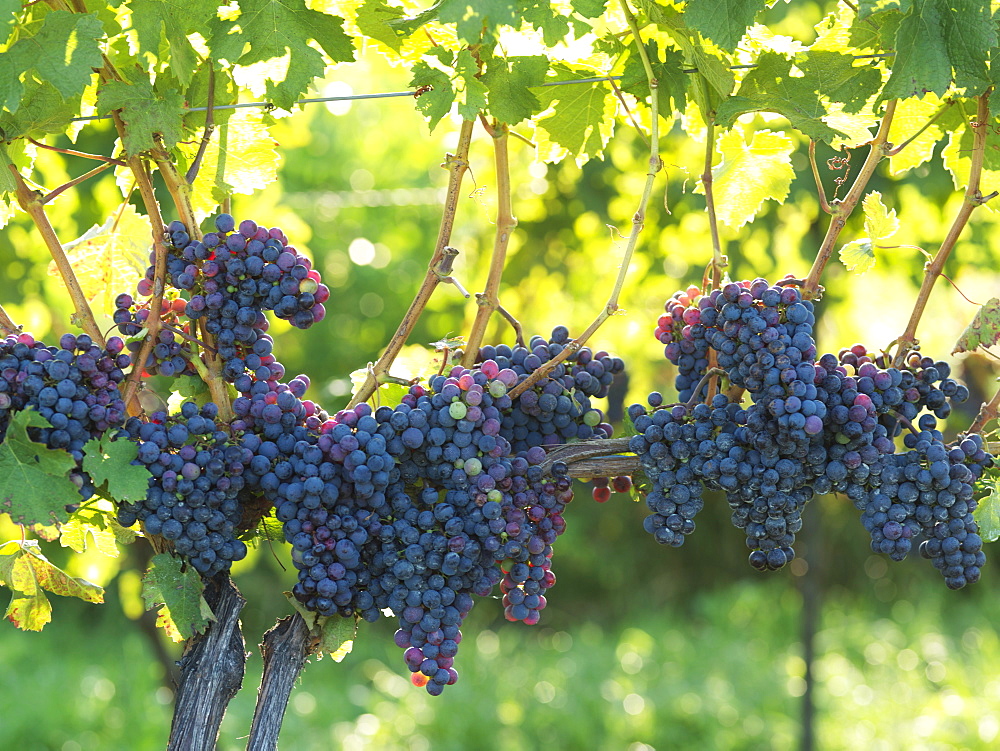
[457,164]
[973,198]
[842,209]
[719,261]
[489,300]
[820,190]
[987,412]
[285,648]
[638,220]
[51,195]
[73,152]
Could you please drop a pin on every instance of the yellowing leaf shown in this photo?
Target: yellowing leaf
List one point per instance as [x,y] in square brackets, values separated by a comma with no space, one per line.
[240,158]
[957,158]
[984,331]
[858,255]
[910,116]
[880,222]
[79,533]
[183,609]
[749,174]
[337,636]
[108,258]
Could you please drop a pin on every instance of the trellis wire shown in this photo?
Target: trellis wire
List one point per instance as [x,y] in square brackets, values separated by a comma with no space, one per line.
[393,94]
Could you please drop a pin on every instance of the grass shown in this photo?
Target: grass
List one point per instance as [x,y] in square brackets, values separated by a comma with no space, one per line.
[722,671]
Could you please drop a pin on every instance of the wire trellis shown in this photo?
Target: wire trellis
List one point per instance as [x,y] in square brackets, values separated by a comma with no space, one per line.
[412,93]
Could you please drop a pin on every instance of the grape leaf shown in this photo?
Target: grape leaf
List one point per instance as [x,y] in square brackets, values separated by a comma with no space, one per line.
[155,20]
[434,102]
[554,23]
[374,20]
[34,488]
[337,636]
[28,573]
[987,514]
[722,21]
[770,87]
[868,7]
[43,110]
[63,51]
[582,117]
[109,464]
[880,224]
[749,174]
[269,29]
[83,527]
[187,390]
[145,111]
[715,70]
[183,609]
[589,8]
[838,79]
[507,82]
[672,81]
[240,158]
[911,115]
[107,258]
[472,17]
[196,95]
[471,90]
[940,41]
[957,158]
[984,331]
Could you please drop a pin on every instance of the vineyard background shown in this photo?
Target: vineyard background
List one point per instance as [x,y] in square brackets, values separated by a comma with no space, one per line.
[641,645]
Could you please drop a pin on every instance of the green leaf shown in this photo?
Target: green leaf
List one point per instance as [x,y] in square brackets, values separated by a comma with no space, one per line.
[145,111]
[583,114]
[270,29]
[337,635]
[876,32]
[183,610]
[63,52]
[984,331]
[554,23]
[714,70]
[507,82]
[671,80]
[987,514]
[472,17]
[723,21]
[911,115]
[471,91]
[770,87]
[109,464]
[196,95]
[868,7]
[880,224]
[34,488]
[434,102]
[837,78]
[750,173]
[941,41]
[589,8]
[155,20]
[43,110]
[375,19]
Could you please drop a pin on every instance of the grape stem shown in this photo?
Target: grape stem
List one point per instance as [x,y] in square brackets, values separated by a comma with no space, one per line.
[719,261]
[841,210]
[456,164]
[7,325]
[506,222]
[55,192]
[515,324]
[973,198]
[638,220]
[30,201]
[192,172]
[987,413]
[82,154]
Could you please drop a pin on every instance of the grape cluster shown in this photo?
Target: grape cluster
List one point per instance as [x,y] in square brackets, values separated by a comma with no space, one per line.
[815,426]
[233,276]
[196,475]
[74,386]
